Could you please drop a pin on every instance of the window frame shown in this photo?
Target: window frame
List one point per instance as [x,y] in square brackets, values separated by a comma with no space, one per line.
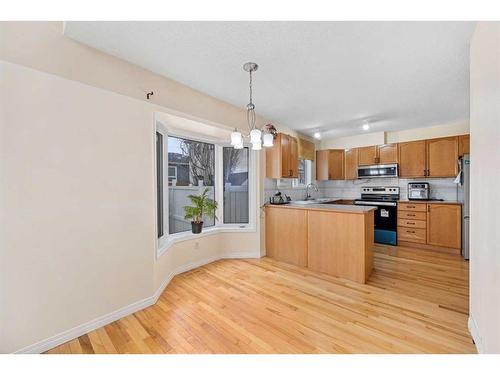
[308,166]
[167,240]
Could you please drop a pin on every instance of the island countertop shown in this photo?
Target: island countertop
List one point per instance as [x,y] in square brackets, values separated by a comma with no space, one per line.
[331,207]
[336,239]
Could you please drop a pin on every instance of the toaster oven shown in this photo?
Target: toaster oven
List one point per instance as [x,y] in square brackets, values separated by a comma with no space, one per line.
[418,191]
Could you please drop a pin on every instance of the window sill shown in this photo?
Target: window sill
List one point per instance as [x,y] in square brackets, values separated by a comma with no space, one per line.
[187,236]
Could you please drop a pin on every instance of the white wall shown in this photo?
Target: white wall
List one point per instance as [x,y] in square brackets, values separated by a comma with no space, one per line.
[378,138]
[484,319]
[77,202]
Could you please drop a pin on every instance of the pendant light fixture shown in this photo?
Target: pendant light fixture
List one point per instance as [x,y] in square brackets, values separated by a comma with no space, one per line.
[258,137]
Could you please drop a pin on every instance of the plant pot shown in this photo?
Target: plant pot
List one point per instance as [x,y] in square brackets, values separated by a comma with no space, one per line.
[196,227]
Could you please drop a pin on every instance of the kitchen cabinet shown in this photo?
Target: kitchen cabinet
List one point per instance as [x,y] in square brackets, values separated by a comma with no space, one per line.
[336,165]
[412,159]
[367,155]
[286,236]
[429,158]
[282,159]
[435,226]
[463,144]
[380,154]
[338,242]
[351,164]
[442,157]
[293,160]
[330,164]
[444,225]
[322,164]
[388,153]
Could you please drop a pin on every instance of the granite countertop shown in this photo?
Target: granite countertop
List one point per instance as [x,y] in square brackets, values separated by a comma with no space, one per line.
[430,201]
[350,208]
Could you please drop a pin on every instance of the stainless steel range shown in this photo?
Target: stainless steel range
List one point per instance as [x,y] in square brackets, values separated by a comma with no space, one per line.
[385,198]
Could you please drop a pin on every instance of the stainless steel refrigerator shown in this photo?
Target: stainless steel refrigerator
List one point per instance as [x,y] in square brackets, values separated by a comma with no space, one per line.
[465,182]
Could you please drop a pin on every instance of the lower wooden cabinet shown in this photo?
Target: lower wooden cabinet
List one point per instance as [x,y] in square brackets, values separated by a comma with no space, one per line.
[434,225]
[444,223]
[286,238]
[339,243]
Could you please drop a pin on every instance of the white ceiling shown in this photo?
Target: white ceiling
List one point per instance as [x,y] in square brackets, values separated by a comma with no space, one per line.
[328,76]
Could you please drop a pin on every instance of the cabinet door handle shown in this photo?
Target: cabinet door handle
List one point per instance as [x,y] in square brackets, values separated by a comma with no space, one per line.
[411,206]
[410,231]
[410,223]
[412,215]
[428,208]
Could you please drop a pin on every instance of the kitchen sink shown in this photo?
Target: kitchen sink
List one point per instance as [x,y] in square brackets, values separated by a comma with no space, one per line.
[315,201]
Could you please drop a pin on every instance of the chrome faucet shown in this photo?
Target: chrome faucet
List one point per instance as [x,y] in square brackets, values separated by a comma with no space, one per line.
[308,196]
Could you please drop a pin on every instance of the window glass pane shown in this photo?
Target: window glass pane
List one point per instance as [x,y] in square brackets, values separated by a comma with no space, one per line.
[191,167]
[302,172]
[235,169]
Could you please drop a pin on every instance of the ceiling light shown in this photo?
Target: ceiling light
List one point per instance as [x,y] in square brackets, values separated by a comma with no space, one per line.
[256,135]
[317,135]
[366,127]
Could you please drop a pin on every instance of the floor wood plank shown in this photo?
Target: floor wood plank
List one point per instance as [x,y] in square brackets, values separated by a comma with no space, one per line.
[415,301]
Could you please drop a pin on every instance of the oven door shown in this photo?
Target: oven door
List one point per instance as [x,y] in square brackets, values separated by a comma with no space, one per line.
[386,222]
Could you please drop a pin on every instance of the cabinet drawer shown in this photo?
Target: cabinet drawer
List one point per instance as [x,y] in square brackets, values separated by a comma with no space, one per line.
[409,223]
[421,207]
[412,215]
[412,235]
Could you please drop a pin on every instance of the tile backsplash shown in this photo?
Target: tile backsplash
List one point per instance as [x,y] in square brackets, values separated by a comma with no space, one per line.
[441,188]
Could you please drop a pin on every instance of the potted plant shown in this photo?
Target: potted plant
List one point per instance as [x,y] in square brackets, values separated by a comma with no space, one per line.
[202,205]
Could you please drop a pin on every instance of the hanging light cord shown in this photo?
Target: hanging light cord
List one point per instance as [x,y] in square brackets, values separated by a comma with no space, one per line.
[250,108]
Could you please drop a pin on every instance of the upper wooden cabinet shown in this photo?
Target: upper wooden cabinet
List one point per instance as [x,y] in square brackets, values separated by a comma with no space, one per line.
[330,164]
[412,159]
[381,154]
[429,158]
[444,225]
[388,153]
[442,157]
[293,159]
[367,155]
[282,159]
[322,164]
[351,164]
[336,165]
[463,144]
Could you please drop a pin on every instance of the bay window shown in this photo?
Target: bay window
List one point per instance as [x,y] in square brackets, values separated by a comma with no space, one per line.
[186,165]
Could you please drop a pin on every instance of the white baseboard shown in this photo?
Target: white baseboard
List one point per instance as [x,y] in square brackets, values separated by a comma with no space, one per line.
[99,322]
[84,328]
[474,331]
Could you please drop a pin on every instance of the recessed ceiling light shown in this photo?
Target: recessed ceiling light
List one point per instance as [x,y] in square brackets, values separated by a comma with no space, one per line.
[317,135]
[366,127]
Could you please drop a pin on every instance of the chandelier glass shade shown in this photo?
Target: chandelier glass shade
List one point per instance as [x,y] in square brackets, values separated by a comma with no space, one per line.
[258,137]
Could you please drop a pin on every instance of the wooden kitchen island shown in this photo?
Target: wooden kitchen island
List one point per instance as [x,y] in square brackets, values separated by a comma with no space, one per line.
[329,238]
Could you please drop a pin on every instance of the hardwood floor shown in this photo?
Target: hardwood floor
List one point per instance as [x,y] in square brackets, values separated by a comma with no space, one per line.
[415,301]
